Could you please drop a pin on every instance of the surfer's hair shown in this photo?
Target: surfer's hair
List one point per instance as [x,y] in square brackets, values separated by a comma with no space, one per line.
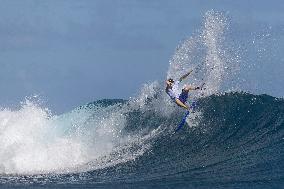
[170,80]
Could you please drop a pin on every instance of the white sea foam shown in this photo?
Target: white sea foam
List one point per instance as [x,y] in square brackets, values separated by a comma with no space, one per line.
[33,141]
[207,55]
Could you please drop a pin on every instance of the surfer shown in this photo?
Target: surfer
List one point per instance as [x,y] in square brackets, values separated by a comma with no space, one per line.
[172,91]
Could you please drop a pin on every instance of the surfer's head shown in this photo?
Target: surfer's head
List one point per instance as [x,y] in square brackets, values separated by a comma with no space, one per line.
[170,82]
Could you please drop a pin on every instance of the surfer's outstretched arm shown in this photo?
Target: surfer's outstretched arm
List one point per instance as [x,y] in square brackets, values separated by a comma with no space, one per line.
[185,75]
[188,88]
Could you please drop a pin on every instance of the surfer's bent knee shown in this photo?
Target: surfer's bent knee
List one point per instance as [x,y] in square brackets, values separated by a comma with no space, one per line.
[186,88]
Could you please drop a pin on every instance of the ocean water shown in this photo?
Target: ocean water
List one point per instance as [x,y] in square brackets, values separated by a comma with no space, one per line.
[234,139]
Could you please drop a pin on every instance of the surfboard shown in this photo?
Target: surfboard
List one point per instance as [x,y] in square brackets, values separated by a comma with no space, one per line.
[192,107]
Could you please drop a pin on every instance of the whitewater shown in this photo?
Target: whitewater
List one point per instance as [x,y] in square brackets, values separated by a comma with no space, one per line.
[234,140]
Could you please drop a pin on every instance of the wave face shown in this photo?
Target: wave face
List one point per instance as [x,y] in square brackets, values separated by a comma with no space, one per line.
[237,142]
[233,140]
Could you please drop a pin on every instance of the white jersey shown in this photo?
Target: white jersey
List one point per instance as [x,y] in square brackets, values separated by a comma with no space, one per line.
[174,91]
[175,88]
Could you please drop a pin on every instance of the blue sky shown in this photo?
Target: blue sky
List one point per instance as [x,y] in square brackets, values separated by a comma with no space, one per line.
[72,52]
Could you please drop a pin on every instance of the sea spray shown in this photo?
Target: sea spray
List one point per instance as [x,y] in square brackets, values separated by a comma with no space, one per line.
[34,141]
[208,55]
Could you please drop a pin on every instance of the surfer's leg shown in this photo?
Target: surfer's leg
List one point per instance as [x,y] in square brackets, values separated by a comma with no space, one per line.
[181,104]
[187,88]
[184,95]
